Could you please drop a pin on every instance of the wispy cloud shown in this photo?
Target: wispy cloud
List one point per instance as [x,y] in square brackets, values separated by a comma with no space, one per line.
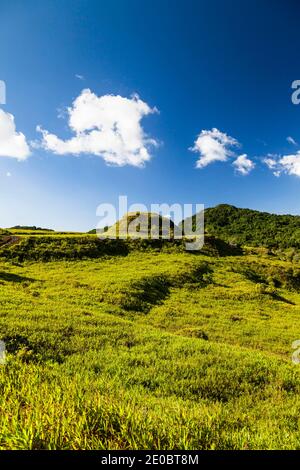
[271,161]
[108,126]
[291,140]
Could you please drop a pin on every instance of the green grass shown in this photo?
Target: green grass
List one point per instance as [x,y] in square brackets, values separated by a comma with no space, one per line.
[149,350]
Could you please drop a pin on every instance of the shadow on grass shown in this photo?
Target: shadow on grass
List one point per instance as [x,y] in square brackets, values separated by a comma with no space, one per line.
[282,299]
[10,277]
[145,293]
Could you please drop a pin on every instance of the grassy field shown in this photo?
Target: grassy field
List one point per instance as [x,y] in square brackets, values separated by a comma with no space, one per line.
[150,349]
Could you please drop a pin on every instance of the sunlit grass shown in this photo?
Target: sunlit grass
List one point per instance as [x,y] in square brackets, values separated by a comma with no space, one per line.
[150,350]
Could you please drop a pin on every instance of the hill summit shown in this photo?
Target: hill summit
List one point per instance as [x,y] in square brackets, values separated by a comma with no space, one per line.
[143,225]
[252,227]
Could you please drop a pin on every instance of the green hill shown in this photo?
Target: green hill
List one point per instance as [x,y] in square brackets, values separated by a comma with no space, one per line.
[251,227]
[139,344]
[143,225]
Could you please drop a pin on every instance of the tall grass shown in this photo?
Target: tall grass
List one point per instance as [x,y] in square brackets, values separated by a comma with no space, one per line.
[149,350]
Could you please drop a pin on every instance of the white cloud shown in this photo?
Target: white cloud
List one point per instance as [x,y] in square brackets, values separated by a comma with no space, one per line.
[213,145]
[243,164]
[289,164]
[271,161]
[107,126]
[8,174]
[291,140]
[80,77]
[12,143]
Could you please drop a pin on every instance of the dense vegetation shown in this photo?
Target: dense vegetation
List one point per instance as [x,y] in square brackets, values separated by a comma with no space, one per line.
[31,228]
[250,227]
[138,344]
[71,247]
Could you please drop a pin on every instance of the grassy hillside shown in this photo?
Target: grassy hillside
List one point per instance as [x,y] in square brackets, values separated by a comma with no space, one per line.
[250,227]
[143,225]
[154,349]
[135,343]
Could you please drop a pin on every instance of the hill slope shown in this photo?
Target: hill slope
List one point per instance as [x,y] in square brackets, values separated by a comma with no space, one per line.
[172,351]
[143,225]
[251,227]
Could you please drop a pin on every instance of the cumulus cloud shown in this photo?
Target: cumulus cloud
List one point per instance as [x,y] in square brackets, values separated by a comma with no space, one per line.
[108,126]
[289,164]
[243,164]
[212,146]
[12,143]
[291,140]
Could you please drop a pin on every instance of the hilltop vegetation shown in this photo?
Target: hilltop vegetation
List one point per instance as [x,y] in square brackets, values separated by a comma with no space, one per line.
[143,225]
[250,227]
[31,228]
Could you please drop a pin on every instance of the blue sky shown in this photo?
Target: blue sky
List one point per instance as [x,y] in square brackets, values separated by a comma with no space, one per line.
[227,65]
